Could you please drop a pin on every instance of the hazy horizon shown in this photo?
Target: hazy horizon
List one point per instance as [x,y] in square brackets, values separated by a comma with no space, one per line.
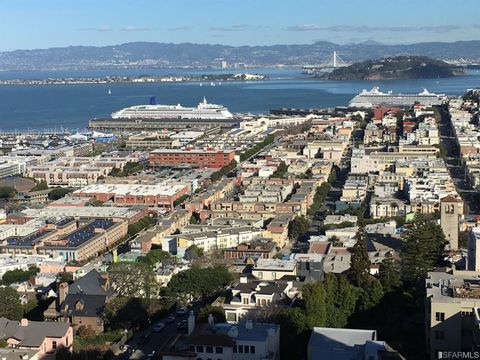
[56,23]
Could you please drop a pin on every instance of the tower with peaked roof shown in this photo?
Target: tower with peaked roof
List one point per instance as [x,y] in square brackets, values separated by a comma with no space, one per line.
[450,210]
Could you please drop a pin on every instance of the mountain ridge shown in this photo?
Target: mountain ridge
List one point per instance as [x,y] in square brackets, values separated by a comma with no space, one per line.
[146,55]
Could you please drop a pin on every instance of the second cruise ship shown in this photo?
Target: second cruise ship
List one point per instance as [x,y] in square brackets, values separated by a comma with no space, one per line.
[204,110]
[375,97]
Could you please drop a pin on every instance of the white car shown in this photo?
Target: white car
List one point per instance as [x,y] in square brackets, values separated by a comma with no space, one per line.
[158,327]
[182,310]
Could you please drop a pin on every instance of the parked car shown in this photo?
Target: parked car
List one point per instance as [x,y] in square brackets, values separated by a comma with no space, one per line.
[182,310]
[158,327]
[181,325]
[170,319]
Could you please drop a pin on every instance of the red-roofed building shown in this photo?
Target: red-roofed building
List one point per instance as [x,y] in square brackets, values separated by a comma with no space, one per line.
[380,112]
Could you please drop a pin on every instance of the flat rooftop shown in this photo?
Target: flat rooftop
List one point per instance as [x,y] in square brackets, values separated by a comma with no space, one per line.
[132,189]
[275,264]
[81,212]
[190,151]
[457,287]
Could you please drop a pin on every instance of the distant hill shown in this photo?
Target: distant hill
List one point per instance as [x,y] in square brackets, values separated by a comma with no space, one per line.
[146,55]
[393,68]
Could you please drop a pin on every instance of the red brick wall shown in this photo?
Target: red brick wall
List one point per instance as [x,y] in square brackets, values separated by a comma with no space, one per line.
[207,159]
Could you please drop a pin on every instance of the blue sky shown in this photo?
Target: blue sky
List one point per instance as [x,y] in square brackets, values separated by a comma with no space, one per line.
[26,24]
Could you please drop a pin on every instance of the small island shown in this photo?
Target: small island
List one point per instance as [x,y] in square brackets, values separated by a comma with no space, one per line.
[137,79]
[395,68]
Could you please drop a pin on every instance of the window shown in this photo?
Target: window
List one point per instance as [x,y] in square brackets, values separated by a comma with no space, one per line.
[439,316]
[439,335]
[54,344]
[209,349]
[240,349]
[252,349]
[235,349]
[247,349]
[199,349]
[191,348]
[219,350]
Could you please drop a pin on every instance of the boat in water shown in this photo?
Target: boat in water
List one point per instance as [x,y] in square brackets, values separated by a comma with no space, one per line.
[375,97]
[204,110]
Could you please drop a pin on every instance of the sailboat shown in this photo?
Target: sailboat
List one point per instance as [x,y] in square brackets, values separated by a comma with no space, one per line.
[109,92]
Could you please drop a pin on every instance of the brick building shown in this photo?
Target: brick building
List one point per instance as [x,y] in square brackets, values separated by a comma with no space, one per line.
[205,158]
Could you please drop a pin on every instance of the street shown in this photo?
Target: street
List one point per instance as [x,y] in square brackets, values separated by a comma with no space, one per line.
[454,165]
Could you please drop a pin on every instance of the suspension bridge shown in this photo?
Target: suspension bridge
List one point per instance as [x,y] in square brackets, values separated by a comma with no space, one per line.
[333,63]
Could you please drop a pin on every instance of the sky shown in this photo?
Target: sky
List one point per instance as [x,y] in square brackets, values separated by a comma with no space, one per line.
[27,24]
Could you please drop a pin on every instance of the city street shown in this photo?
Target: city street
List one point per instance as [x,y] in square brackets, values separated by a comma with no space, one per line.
[138,349]
[455,166]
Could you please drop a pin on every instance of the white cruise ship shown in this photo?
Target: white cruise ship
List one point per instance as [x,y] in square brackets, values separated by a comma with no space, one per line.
[204,110]
[374,97]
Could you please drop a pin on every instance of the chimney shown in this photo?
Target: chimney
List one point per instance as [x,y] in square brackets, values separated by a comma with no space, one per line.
[211,321]
[62,293]
[24,322]
[190,322]
[233,332]
[243,279]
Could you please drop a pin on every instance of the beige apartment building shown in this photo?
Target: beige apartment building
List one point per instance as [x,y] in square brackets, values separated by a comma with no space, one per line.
[451,299]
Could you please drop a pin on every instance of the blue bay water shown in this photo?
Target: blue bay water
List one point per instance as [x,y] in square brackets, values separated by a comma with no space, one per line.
[71,106]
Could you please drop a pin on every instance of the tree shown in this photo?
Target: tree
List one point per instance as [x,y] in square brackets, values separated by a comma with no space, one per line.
[65,277]
[281,170]
[155,256]
[180,200]
[294,333]
[319,198]
[389,274]
[370,294]
[140,225]
[217,312]
[345,297]
[193,252]
[125,313]
[58,193]
[195,218]
[335,240]
[133,280]
[42,185]
[423,245]
[217,175]
[199,283]
[18,275]
[360,263]
[7,192]
[315,298]
[297,227]
[10,306]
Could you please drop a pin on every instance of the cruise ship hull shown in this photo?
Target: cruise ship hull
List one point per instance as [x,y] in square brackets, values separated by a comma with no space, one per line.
[374,97]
